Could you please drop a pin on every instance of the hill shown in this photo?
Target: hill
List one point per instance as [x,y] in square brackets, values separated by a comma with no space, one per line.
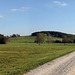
[53,33]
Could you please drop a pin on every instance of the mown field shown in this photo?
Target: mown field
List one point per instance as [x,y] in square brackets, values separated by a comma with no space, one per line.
[20,56]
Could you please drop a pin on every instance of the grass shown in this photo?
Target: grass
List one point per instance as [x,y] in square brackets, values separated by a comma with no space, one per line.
[55,38]
[18,58]
[22,54]
[23,39]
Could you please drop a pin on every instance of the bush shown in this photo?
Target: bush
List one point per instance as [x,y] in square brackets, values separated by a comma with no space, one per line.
[58,41]
[4,40]
[68,40]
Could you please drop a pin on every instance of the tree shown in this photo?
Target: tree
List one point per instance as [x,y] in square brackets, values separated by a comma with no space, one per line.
[7,39]
[41,37]
[71,37]
[49,38]
[17,35]
[66,40]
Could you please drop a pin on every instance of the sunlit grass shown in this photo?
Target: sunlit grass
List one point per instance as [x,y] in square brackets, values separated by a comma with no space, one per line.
[19,58]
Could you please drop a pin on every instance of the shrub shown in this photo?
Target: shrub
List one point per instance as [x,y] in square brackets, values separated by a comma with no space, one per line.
[4,40]
[58,41]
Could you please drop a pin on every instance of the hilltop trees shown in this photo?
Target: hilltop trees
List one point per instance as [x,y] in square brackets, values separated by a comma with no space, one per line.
[53,33]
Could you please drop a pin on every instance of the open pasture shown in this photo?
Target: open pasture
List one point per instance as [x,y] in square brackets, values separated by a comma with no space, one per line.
[19,58]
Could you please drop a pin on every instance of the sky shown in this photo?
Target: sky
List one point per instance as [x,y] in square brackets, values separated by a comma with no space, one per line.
[27,16]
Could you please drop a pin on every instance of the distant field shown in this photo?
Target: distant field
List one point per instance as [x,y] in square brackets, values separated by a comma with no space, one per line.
[19,58]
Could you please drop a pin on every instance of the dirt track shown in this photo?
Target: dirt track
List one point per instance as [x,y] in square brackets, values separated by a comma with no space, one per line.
[61,66]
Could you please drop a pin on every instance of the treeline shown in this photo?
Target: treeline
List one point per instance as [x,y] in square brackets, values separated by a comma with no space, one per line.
[14,35]
[42,37]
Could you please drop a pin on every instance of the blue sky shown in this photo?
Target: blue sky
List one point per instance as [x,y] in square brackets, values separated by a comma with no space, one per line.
[27,16]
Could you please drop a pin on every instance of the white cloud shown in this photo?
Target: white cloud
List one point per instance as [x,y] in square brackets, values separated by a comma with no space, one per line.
[21,9]
[56,2]
[1,16]
[13,9]
[60,3]
[27,8]
[64,4]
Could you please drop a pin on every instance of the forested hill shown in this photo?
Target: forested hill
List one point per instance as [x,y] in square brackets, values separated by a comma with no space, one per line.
[53,33]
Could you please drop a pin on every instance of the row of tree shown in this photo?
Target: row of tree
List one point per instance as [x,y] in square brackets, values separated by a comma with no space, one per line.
[41,38]
[6,39]
[15,35]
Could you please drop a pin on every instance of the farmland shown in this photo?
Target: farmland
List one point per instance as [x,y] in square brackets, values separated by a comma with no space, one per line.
[22,54]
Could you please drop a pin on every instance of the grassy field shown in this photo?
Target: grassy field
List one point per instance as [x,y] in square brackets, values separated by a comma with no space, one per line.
[27,39]
[23,39]
[17,58]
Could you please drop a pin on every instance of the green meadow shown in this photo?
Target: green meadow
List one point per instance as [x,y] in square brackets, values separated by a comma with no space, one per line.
[23,39]
[22,54]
